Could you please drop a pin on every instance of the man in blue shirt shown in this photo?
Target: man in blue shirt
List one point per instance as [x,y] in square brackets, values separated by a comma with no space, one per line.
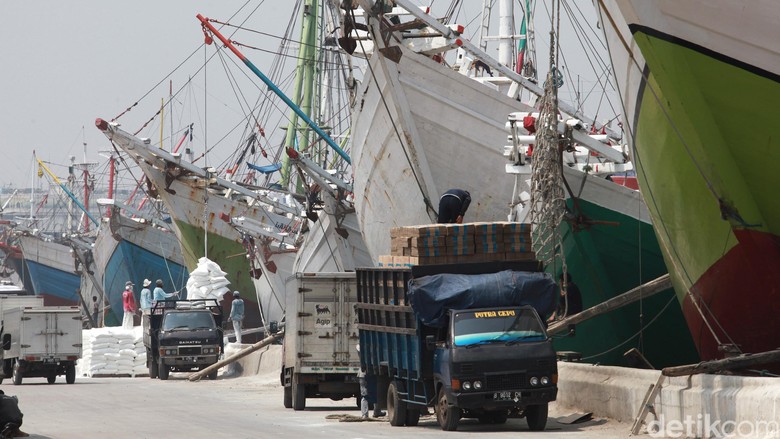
[159,293]
[146,296]
[237,314]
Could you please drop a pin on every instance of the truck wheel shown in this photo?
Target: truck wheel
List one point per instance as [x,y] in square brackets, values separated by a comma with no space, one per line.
[396,409]
[536,416]
[153,369]
[17,374]
[412,417]
[70,374]
[163,371]
[51,379]
[213,374]
[299,395]
[288,397]
[448,416]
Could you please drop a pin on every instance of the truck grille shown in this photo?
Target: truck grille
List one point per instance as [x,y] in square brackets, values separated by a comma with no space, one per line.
[505,382]
[189,350]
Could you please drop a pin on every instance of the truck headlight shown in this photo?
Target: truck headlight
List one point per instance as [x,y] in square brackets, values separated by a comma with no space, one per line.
[466,385]
[545,381]
[477,385]
[534,381]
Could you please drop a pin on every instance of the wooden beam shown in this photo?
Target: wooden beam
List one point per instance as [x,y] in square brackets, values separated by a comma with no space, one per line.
[740,362]
[242,353]
[643,291]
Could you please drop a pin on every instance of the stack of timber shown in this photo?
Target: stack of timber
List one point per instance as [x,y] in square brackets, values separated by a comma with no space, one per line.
[458,243]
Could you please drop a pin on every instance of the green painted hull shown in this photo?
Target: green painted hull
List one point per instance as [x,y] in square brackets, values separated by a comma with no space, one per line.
[706,152]
[606,260]
[231,257]
[723,114]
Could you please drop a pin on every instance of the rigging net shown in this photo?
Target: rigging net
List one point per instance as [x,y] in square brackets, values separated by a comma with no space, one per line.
[548,199]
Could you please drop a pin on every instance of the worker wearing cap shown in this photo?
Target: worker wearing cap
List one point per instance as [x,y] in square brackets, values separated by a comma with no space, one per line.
[160,294]
[128,304]
[237,314]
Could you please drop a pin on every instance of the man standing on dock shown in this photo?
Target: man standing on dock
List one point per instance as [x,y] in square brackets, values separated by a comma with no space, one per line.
[128,304]
[237,314]
[453,206]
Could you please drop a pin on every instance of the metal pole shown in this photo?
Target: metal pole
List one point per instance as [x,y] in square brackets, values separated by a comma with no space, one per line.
[275,89]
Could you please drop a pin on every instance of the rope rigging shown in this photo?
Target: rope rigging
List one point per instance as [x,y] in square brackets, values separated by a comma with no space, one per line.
[548,200]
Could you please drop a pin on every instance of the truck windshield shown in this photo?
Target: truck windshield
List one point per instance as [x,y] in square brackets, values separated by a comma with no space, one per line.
[188,320]
[472,328]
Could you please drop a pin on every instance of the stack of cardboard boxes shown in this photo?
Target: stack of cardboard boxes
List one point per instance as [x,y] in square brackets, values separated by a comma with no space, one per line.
[459,243]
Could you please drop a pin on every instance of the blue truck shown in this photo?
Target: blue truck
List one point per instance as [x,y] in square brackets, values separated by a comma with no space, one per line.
[465,339]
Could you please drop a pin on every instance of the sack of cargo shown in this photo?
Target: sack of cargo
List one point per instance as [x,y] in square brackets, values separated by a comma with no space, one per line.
[431,296]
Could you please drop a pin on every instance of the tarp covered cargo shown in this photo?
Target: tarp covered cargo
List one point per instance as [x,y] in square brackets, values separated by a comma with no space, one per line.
[431,296]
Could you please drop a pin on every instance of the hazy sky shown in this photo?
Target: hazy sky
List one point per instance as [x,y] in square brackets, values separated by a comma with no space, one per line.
[64,63]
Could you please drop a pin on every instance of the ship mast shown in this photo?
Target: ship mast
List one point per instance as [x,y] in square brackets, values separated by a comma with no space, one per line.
[304,79]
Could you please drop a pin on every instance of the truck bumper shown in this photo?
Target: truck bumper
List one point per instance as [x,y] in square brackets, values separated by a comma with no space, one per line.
[190,361]
[494,400]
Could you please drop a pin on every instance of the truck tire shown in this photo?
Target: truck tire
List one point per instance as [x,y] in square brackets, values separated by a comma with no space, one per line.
[412,417]
[51,379]
[288,397]
[153,369]
[163,371]
[396,409]
[213,374]
[536,416]
[17,374]
[299,395]
[448,416]
[70,374]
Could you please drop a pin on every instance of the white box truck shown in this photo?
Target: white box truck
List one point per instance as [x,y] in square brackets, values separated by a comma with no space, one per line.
[41,342]
[320,343]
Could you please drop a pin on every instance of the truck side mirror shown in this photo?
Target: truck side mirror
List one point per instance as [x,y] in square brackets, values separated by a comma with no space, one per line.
[430,342]
[6,342]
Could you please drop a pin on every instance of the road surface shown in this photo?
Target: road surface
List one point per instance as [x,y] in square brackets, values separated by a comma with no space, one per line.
[246,407]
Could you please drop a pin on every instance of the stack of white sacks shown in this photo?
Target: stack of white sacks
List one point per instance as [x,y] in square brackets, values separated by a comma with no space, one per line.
[207,281]
[112,351]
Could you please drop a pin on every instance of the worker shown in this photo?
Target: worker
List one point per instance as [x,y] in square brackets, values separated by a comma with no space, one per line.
[95,311]
[128,304]
[237,314]
[146,296]
[160,294]
[367,393]
[453,206]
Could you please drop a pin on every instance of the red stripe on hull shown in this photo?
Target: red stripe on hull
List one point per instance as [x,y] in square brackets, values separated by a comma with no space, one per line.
[741,292]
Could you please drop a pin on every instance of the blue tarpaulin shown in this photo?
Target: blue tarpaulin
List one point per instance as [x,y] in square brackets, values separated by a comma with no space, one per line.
[432,296]
[266,169]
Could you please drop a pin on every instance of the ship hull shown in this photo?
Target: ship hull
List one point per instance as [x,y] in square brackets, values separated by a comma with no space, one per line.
[52,271]
[700,103]
[128,250]
[420,129]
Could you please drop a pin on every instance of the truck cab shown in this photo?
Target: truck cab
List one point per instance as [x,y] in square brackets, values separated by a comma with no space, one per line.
[182,336]
[491,363]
